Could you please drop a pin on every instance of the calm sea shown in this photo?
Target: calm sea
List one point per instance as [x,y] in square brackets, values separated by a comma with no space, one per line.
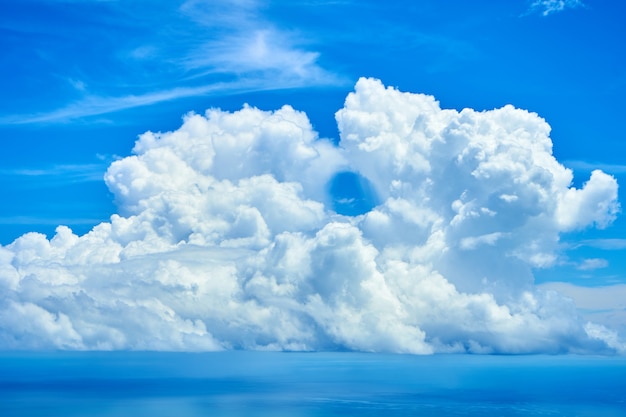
[255,384]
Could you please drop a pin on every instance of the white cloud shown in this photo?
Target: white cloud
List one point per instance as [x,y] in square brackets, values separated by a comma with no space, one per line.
[596,202]
[94,105]
[611,338]
[250,48]
[48,220]
[593,263]
[547,7]
[206,48]
[590,166]
[472,242]
[606,305]
[77,84]
[67,173]
[226,238]
[605,244]
[611,297]
[263,51]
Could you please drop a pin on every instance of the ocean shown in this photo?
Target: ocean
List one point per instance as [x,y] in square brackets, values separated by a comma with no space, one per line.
[276,384]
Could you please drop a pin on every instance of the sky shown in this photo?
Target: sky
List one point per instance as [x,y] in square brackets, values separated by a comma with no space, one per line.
[318,175]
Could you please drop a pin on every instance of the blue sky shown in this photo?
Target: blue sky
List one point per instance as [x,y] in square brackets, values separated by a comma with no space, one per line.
[82,79]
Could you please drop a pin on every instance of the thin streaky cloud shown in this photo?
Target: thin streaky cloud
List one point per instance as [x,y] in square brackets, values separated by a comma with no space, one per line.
[70,172]
[605,244]
[97,105]
[590,166]
[592,264]
[254,56]
[547,7]
[54,221]
[224,14]
[592,298]
[261,50]
[256,48]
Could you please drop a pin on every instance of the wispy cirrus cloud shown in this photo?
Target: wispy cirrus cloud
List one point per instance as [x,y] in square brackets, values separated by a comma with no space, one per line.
[604,244]
[68,172]
[547,7]
[264,54]
[210,48]
[48,220]
[586,166]
[95,105]
[98,105]
[251,47]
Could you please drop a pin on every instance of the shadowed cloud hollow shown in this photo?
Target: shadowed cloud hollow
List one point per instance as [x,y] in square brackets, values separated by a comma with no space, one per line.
[229,236]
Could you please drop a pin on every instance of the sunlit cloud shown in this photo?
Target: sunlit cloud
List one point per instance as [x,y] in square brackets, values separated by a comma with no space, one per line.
[230,235]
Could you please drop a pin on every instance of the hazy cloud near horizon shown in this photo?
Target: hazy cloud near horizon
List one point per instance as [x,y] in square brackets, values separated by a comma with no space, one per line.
[228,237]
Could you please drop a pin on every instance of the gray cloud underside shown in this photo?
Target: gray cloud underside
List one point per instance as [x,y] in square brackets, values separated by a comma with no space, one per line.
[225,239]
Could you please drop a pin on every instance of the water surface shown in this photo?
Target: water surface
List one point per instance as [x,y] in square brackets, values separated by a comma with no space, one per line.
[232,384]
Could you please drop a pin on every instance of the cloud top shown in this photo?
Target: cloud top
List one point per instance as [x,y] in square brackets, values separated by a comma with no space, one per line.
[227,238]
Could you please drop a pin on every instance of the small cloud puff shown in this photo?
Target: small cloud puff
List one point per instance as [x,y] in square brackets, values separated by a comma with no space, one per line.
[226,238]
[593,263]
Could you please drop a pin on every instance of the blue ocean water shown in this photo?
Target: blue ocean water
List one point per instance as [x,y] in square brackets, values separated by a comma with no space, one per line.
[255,384]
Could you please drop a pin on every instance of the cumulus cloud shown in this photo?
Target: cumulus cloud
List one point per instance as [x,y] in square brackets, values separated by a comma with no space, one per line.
[227,238]
[606,304]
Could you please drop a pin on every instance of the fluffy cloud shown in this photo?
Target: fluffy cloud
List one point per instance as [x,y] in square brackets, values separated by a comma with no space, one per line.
[226,238]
